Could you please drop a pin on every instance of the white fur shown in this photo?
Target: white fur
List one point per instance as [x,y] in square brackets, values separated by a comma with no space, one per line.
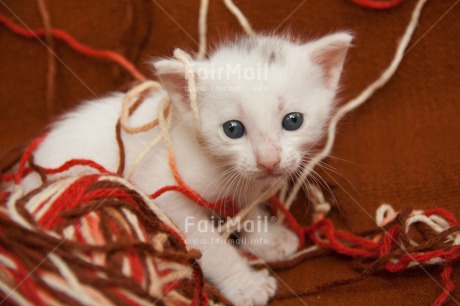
[294,81]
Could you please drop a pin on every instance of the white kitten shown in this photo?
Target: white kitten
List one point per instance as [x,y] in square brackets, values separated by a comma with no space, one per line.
[263,102]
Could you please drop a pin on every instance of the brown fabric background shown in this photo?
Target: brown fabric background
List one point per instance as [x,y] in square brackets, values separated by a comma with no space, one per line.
[402,146]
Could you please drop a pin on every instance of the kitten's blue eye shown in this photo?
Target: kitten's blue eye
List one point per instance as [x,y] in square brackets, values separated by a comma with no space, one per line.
[292,121]
[233,129]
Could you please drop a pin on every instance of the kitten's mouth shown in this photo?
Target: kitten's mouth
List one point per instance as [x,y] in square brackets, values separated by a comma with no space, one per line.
[267,176]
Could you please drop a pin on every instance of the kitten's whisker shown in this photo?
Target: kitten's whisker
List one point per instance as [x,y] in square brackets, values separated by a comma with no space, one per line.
[318,184]
[306,190]
[329,167]
[339,174]
[229,185]
[240,188]
[329,190]
[219,180]
[225,183]
[222,180]
[321,180]
[345,160]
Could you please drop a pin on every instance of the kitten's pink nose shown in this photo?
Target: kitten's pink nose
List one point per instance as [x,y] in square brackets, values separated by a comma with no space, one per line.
[268,164]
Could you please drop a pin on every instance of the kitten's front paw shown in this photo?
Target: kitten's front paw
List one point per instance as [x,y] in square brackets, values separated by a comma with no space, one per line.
[253,288]
[276,244]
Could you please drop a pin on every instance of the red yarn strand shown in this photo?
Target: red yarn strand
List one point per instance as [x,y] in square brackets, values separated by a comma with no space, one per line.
[448,285]
[76,45]
[292,222]
[379,5]
[22,163]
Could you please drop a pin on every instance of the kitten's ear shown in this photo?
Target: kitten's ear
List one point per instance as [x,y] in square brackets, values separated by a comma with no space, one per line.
[329,53]
[172,76]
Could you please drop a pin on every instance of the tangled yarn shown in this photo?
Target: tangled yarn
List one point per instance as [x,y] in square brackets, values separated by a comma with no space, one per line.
[393,246]
[97,239]
[92,240]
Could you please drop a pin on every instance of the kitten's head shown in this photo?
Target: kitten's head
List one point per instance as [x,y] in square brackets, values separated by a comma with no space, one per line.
[263,101]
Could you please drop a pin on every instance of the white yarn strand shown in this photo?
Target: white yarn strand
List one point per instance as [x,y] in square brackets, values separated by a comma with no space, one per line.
[8,262]
[13,212]
[155,285]
[202,29]
[359,100]
[72,285]
[241,18]
[382,212]
[50,194]
[291,257]
[13,295]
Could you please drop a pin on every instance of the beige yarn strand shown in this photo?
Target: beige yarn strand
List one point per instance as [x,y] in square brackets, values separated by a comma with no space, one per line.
[165,104]
[130,95]
[191,84]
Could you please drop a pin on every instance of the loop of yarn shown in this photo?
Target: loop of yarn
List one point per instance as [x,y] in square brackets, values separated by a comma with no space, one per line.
[384,214]
[167,111]
[136,91]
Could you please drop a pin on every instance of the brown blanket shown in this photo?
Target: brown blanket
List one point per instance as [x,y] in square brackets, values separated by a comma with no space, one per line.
[401,147]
